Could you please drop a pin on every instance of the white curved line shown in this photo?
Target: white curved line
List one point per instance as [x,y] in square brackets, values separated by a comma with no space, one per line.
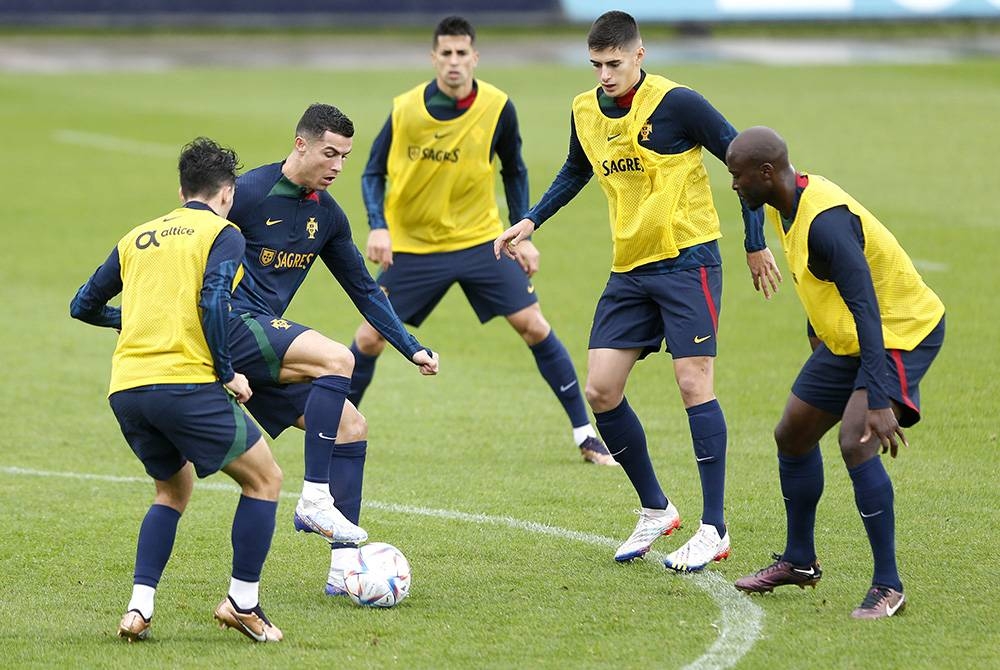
[741,620]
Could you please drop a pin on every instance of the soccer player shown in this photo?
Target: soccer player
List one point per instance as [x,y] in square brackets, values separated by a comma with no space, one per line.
[301,377]
[643,136]
[434,227]
[169,375]
[878,326]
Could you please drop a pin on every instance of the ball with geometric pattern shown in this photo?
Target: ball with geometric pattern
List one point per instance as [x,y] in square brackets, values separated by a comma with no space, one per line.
[382,577]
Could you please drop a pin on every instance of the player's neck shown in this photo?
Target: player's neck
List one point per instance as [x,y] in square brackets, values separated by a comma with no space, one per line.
[457,94]
[784,201]
[289,170]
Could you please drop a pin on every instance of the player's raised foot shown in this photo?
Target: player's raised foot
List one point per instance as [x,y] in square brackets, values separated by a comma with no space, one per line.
[780,573]
[703,548]
[324,519]
[134,627]
[594,451]
[880,603]
[253,623]
[341,560]
[652,524]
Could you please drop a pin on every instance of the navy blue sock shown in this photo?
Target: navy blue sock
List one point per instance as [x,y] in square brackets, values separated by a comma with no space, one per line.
[347,472]
[801,487]
[364,370]
[324,406]
[253,527]
[156,541]
[626,441]
[708,432]
[874,498]
[557,369]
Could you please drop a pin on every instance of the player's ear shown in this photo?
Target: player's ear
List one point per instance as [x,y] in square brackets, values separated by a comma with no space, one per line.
[180,195]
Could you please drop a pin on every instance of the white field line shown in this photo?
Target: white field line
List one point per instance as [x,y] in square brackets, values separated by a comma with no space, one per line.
[114,143]
[739,626]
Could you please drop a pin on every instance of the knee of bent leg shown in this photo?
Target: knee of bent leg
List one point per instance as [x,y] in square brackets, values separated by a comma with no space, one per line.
[336,359]
[368,340]
[783,437]
[353,426]
[601,398]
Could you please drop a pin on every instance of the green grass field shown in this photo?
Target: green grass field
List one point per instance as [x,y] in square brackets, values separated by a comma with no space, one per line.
[473,474]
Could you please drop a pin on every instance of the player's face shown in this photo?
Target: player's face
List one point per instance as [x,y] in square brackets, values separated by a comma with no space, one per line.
[454,61]
[617,69]
[321,159]
[750,182]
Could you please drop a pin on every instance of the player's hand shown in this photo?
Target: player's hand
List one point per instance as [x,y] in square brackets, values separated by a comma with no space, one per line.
[240,387]
[527,256]
[427,360]
[764,272]
[882,424]
[379,248]
[510,238]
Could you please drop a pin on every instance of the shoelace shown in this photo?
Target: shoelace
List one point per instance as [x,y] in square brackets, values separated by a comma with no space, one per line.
[771,568]
[875,595]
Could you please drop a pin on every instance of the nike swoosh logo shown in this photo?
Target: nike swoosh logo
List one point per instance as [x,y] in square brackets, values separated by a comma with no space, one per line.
[892,610]
[438,136]
[260,637]
[808,573]
[269,222]
[170,218]
[611,137]
[531,288]
[868,516]
[326,437]
[567,387]
[699,340]
[705,458]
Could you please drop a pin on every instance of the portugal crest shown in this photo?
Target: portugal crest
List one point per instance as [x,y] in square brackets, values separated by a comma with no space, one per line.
[312,227]
[267,256]
[645,132]
[280,324]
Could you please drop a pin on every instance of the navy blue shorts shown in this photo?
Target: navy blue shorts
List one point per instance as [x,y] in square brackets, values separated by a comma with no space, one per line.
[640,311]
[415,283]
[258,344]
[168,425]
[827,381]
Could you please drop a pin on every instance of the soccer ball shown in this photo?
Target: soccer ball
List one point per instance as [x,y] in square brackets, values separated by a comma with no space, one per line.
[381,578]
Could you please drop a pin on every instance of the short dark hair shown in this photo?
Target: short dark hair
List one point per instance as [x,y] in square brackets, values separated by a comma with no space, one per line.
[319,118]
[206,167]
[612,30]
[454,25]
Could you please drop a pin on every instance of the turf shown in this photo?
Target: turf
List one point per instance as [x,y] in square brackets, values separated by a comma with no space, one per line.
[87,156]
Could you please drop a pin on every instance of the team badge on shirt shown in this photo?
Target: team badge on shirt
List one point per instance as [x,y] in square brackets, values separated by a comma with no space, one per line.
[312,227]
[280,324]
[646,131]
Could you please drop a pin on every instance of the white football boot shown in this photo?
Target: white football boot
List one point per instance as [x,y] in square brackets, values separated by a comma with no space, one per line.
[706,546]
[321,517]
[652,524]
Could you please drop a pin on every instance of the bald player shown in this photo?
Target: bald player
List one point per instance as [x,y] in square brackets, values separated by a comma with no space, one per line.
[877,329]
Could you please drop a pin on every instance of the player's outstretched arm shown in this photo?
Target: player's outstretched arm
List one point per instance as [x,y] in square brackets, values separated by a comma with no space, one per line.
[427,360]
[510,238]
[764,272]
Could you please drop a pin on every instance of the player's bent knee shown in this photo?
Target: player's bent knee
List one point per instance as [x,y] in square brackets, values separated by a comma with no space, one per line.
[601,399]
[369,341]
[353,425]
